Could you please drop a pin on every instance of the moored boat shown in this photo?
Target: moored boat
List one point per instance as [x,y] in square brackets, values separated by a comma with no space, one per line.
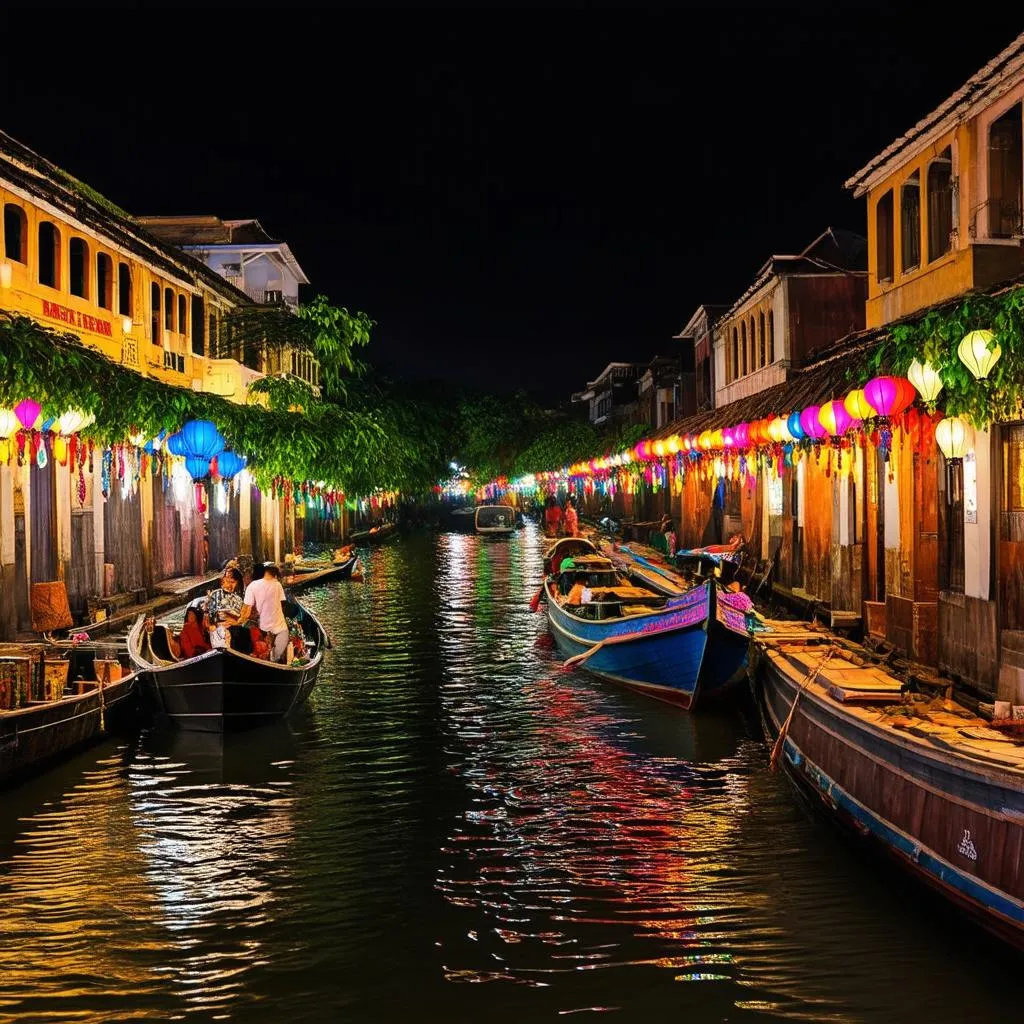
[305,574]
[374,535]
[941,792]
[495,519]
[222,690]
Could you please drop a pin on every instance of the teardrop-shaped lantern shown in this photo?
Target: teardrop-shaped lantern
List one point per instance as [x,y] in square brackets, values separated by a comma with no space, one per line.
[73,421]
[954,437]
[979,352]
[926,379]
[28,412]
[741,436]
[705,440]
[659,449]
[729,437]
[778,430]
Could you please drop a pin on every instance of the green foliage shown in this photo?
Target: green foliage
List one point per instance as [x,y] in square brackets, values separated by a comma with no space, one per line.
[493,430]
[561,444]
[936,337]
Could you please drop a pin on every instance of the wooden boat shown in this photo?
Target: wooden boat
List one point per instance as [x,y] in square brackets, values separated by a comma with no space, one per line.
[567,547]
[41,732]
[495,519]
[305,574]
[374,535]
[634,637]
[940,792]
[222,690]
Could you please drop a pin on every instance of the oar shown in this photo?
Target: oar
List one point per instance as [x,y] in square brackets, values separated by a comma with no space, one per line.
[773,761]
[535,600]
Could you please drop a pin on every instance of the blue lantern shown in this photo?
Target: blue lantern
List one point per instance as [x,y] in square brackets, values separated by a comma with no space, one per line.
[176,444]
[202,439]
[198,467]
[793,423]
[229,464]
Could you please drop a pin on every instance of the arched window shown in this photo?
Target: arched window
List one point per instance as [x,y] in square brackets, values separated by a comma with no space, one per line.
[124,289]
[154,313]
[182,315]
[940,205]
[735,354]
[78,268]
[753,347]
[884,238]
[169,309]
[771,336]
[760,338]
[49,255]
[104,281]
[910,223]
[743,348]
[15,233]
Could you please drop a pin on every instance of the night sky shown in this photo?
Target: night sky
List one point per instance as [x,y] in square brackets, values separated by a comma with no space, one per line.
[516,201]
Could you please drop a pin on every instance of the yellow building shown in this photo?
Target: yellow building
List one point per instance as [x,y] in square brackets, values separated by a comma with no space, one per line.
[944,199]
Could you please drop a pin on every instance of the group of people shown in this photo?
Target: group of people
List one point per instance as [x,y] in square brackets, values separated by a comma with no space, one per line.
[250,623]
[559,522]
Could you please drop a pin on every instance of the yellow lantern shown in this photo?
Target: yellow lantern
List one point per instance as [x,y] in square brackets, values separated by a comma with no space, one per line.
[659,449]
[705,440]
[778,430]
[979,352]
[926,379]
[953,437]
[60,450]
[857,405]
[673,444]
[717,440]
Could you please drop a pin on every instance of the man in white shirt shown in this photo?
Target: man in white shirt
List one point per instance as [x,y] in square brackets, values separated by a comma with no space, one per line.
[265,596]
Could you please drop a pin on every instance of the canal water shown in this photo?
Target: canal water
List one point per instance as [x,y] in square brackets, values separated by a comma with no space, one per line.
[457,830]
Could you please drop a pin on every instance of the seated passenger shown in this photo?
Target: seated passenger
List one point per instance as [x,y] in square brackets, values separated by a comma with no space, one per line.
[192,637]
[223,607]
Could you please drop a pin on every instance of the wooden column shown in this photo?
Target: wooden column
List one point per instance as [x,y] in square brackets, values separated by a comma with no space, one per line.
[62,509]
[146,519]
[8,611]
[244,515]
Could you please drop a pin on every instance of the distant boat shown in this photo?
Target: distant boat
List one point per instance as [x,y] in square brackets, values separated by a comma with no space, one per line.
[222,690]
[374,535]
[495,519]
[305,574]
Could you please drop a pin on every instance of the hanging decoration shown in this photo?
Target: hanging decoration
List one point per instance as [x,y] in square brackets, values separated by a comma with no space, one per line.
[926,380]
[9,423]
[198,467]
[202,439]
[979,352]
[954,438]
[176,444]
[811,423]
[28,412]
[228,465]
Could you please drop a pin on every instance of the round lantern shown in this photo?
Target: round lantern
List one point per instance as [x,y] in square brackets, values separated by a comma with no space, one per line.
[811,424]
[729,437]
[793,426]
[717,440]
[659,449]
[176,444]
[926,379]
[229,465]
[979,352]
[953,437]
[856,404]
[638,451]
[778,431]
[28,412]
[674,444]
[741,435]
[202,439]
[8,423]
[198,467]
[705,440]
[73,421]
[834,418]
[889,396]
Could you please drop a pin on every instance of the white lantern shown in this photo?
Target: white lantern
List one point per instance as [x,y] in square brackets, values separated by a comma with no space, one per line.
[9,423]
[953,437]
[926,379]
[979,352]
[73,421]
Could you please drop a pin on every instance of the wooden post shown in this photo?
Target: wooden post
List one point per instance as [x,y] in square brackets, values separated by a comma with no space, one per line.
[146,517]
[62,509]
[244,515]
[8,611]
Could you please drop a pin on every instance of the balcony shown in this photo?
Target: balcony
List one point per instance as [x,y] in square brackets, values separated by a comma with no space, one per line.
[270,297]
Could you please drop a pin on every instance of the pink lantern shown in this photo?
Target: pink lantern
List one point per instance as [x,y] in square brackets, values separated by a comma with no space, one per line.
[741,435]
[811,424]
[27,413]
[834,418]
[889,396]
[729,437]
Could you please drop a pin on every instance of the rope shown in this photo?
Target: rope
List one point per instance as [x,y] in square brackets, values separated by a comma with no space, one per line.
[578,659]
[812,674]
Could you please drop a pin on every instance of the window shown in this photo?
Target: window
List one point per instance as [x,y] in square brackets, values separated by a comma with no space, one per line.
[104,281]
[15,233]
[743,348]
[910,222]
[1005,157]
[182,315]
[78,268]
[951,525]
[754,364]
[154,313]
[124,290]
[771,336]
[940,205]
[198,326]
[49,255]
[169,309]
[735,363]
[884,238]
[760,338]
[214,342]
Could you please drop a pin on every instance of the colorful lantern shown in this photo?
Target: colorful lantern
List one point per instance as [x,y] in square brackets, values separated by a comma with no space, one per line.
[979,352]
[796,431]
[729,437]
[202,439]
[229,465]
[811,424]
[705,440]
[8,423]
[198,467]
[741,436]
[659,449]
[856,404]
[953,437]
[717,440]
[889,396]
[674,443]
[176,444]
[926,379]
[28,412]
[834,418]
[778,431]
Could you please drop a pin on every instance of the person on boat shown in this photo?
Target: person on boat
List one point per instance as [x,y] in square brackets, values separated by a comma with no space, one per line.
[192,638]
[224,607]
[266,597]
[668,528]
[552,518]
[571,523]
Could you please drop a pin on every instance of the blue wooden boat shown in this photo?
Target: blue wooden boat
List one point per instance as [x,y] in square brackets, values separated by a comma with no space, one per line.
[636,638]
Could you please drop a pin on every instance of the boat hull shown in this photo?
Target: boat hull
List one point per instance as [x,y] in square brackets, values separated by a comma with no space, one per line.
[955,824]
[35,737]
[336,571]
[663,656]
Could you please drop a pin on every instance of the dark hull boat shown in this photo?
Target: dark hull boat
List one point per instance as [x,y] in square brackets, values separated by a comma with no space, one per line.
[222,690]
[946,802]
[38,735]
[307,574]
[374,535]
